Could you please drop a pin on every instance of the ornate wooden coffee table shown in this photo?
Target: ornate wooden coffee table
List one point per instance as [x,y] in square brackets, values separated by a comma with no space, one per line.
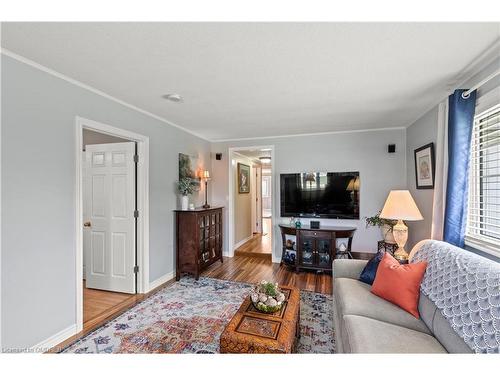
[251,331]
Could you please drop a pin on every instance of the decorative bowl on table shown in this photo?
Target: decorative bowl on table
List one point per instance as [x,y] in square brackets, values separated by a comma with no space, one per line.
[267,297]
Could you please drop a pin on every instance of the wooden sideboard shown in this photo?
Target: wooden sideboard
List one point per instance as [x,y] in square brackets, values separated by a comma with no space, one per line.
[199,239]
[314,248]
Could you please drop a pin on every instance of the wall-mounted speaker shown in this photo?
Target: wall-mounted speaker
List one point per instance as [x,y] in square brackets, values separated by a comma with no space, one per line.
[391,149]
[218,156]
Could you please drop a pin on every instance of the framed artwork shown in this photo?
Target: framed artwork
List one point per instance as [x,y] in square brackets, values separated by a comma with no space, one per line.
[243,178]
[188,167]
[424,166]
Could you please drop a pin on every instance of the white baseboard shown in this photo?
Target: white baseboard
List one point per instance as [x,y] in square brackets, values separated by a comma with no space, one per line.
[242,242]
[161,280]
[55,339]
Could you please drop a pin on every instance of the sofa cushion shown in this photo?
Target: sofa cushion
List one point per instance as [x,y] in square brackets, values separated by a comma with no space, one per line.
[348,268]
[367,335]
[354,298]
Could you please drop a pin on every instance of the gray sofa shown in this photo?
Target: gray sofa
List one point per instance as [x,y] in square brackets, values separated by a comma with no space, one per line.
[365,323]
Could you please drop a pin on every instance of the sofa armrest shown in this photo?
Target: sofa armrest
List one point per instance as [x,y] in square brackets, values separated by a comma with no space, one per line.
[348,268]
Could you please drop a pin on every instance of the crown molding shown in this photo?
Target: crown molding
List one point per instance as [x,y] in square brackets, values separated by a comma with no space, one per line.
[34,64]
[473,68]
[310,134]
[477,65]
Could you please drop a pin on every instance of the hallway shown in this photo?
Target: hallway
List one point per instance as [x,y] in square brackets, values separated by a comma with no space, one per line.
[260,245]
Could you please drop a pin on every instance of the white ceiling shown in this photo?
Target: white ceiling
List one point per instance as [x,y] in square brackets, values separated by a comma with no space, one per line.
[244,80]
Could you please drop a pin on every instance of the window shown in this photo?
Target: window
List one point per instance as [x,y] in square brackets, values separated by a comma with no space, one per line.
[266,186]
[313,181]
[483,219]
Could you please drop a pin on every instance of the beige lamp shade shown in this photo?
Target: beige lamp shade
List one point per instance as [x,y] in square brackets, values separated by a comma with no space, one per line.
[353,184]
[206,175]
[400,206]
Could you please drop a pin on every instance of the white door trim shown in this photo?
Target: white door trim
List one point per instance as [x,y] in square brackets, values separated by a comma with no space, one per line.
[231,152]
[142,205]
[253,197]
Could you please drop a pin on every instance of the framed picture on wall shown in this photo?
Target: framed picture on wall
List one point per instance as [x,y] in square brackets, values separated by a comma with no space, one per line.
[188,168]
[243,178]
[424,166]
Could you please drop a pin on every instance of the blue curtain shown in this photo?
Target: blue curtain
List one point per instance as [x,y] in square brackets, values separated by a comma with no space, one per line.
[460,122]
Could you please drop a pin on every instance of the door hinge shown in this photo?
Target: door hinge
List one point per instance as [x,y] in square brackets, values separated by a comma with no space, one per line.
[136,158]
[136,213]
[136,269]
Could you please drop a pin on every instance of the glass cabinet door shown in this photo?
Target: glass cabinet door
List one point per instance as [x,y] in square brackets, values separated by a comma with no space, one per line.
[324,253]
[307,253]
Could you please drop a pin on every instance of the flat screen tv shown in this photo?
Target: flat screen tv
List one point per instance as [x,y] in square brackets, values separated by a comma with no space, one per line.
[332,195]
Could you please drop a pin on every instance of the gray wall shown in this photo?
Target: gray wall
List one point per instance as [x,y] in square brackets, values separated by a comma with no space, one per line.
[420,133]
[365,152]
[38,195]
[242,204]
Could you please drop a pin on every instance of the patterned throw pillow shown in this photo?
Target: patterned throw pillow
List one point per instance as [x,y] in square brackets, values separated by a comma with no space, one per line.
[368,274]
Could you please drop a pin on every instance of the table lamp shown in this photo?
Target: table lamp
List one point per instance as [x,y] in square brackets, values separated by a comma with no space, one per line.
[400,206]
[206,177]
[353,187]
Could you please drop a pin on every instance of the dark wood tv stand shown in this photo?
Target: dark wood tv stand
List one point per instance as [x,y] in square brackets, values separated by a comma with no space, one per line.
[315,249]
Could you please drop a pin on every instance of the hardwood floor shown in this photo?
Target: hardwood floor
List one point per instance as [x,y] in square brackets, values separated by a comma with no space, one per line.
[97,302]
[252,270]
[259,245]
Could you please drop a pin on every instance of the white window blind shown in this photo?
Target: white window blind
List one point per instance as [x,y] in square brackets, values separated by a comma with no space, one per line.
[483,220]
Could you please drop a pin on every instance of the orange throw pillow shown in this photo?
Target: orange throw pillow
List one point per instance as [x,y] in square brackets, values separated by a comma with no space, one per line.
[399,283]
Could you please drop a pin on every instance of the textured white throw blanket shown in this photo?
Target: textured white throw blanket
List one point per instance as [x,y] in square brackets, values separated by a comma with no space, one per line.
[466,289]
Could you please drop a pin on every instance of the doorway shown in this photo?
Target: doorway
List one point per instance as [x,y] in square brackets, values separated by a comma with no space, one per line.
[109,225]
[112,223]
[251,210]
[267,198]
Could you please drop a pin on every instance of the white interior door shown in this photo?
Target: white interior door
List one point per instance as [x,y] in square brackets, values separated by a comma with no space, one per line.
[109,224]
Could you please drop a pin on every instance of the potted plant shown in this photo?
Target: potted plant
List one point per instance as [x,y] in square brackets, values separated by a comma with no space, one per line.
[186,187]
[385,226]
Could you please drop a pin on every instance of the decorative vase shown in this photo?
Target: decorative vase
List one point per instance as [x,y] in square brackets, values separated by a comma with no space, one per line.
[184,202]
[387,234]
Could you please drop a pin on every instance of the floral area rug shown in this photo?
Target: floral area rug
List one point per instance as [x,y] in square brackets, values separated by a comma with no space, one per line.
[189,317]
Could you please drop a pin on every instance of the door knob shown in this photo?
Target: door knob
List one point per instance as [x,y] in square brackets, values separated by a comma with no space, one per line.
[87,224]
